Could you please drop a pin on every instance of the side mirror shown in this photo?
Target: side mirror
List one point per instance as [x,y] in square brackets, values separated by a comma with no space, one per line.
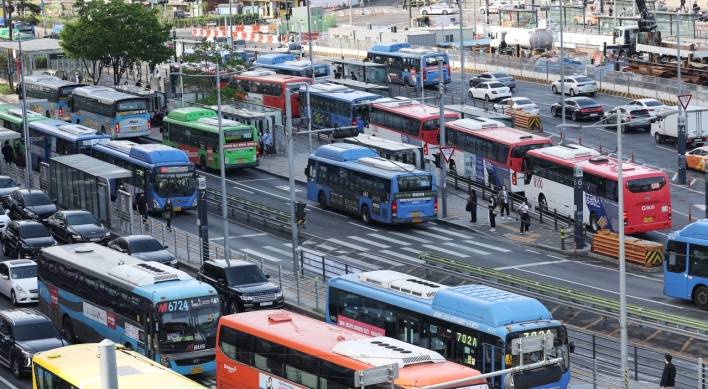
[63,332]
[307,171]
[571,347]
[166,247]
[7,338]
[267,276]
[7,212]
[4,277]
[221,281]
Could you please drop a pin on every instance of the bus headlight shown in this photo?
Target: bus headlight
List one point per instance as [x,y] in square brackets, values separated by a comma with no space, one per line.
[165,361]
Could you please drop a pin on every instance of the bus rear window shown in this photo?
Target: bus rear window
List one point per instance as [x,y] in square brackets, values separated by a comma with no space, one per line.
[415,183]
[648,184]
[66,91]
[433,60]
[320,71]
[520,151]
[131,105]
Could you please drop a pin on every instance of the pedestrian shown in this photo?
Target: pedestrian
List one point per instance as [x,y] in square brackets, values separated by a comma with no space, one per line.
[493,213]
[405,4]
[472,206]
[151,66]
[8,153]
[609,11]
[669,374]
[524,216]
[142,207]
[138,83]
[261,145]
[624,11]
[352,76]
[167,213]
[503,196]
[267,143]
[683,5]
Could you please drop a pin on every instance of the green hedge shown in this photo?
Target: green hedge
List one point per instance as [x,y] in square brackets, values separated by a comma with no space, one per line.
[221,20]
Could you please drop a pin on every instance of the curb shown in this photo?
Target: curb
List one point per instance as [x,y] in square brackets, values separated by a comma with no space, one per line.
[629,264]
[463,227]
[581,252]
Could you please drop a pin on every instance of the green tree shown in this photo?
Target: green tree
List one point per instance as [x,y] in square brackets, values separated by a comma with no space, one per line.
[117,35]
[203,62]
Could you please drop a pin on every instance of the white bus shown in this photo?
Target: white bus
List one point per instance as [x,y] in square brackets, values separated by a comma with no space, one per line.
[49,96]
[108,111]
[393,151]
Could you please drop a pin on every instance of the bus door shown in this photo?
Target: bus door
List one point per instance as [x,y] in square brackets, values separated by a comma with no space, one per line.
[493,356]
[408,330]
[675,276]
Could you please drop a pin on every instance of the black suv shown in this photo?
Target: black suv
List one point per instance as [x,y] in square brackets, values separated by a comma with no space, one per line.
[25,238]
[243,285]
[33,205]
[78,227]
[26,332]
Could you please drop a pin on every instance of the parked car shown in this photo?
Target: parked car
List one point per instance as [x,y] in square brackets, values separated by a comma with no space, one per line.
[24,239]
[242,284]
[77,227]
[439,9]
[291,46]
[55,32]
[7,186]
[26,332]
[579,108]
[502,77]
[144,247]
[517,103]
[32,205]
[575,85]
[239,44]
[633,117]
[654,106]
[4,219]
[18,280]
[489,91]
[496,6]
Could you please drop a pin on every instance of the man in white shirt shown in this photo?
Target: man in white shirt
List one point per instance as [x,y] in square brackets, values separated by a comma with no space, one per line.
[268,142]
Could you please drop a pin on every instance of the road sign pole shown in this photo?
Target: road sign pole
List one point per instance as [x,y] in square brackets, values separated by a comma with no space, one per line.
[578,205]
[443,178]
[683,100]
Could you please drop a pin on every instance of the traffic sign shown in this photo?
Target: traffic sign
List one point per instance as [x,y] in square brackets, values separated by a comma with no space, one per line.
[447,153]
[684,100]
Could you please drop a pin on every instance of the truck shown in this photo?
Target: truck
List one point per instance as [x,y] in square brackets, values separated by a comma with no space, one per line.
[666,130]
[519,42]
[632,42]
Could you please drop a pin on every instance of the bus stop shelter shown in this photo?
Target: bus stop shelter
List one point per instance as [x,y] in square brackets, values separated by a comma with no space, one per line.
[82,182]
[376,73]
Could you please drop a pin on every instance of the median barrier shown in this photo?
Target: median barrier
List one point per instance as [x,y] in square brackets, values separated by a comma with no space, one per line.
[597,303]
[250,209]
[523,119]
[635,250]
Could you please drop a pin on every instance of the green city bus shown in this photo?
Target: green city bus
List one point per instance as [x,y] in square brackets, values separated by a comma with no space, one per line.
[196,132]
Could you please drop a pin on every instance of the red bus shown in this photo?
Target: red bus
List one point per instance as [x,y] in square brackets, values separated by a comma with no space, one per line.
[407,121]
[549,184]
[279,349]
[490,153]
[266,88]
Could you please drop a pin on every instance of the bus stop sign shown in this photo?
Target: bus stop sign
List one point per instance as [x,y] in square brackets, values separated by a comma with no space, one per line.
[376,375]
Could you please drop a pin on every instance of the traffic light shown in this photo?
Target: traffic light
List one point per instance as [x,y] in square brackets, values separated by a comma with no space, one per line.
[301,214]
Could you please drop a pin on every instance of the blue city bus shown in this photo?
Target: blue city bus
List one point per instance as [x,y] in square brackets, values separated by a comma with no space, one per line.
[52,138]
[355,179]
[49,96]
[283,63]
[93,293]
[406,64]
[686,264]
[473,325]
[159,171]
[104,109]
[334,106]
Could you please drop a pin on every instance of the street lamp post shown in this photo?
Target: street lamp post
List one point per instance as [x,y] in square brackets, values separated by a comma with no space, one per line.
[231,31]
[462,57]
[682,118]
[28,159]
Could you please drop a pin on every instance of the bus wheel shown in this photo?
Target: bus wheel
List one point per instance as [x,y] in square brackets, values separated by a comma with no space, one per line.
[202,163]
[68,329]
[700,297]
[594,226]
[323,201]
[542,203]
[129,346]
[453,168]
[365,215]
[406,82]
[47,114]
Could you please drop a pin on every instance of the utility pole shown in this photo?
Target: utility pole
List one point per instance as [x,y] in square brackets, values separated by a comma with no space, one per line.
[562,66]
[222,160]
[351,18]
[622,259]
[25,129]
[681,113]
[443,163]
[291,175]
[231,23]
[462,57]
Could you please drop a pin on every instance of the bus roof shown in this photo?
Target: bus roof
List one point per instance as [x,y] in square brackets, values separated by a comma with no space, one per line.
[492,129]
[475,306]
[380,143]
[202,118]
[66,130]
[157,154]
[270,77]
[14,114]
[696,230]
[79,365]
[190,114]
[341,92]
[363,159]
[273,59]
[389,47]
[49,81]
[238,112]
[130,273]
[592,161]
[418,366]
[135,90]
[412,108]
[102,93]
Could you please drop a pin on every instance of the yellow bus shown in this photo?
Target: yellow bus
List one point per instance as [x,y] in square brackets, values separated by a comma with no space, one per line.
[78,367]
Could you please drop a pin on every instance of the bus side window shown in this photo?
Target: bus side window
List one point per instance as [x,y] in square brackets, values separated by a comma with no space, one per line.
[676,257]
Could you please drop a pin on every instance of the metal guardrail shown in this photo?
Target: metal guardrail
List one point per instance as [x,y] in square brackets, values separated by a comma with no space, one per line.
[250,208]
[677,323]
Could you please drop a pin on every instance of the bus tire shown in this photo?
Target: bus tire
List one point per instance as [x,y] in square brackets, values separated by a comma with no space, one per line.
[202,163]
[68,328]
[700,297]
[322,200]
[594,226]
[365,215]
[542,203]
[453,168]
[129,346]
[47,114]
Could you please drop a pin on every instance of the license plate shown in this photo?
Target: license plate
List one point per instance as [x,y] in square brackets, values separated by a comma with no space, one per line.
[95,239]
[177,209]
[133,128]
[242,160]
[437,78]
[417,220]
[594,114]
[266,304]
[417,213]
[196,370]
[648,219]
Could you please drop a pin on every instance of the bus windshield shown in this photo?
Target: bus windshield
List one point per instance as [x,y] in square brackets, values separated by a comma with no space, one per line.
[131,105]
[320,71]
[432,60]
[175,185]
[232,136]
[182,323]
[560,346]
[415,183]
[66,91]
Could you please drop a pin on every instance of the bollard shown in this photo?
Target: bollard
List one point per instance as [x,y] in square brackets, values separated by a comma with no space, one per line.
[632,154]
[188,249]
[594,373]
[317,299]
[600,145]
[688,182]
[575,250]
[561,135]
[690,218]
[540,214]
[580,139]
[297,284]
[280,277]
[562,238]
[555,219]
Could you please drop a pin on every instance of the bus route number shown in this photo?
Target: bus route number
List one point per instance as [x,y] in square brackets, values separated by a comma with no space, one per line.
[538,182]
[467,339]
[173,306]
[535,333]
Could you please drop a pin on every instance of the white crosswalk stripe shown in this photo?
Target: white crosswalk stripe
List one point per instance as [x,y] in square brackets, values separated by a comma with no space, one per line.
[453,233]
[324,246]
[489,246]
[361,264]
[261,255]
[368,241]
[470,249]
[409,236]
[436,236]
[388,239]
[347,244]
[380,259]
[455,253]
[401,256]
[279,251]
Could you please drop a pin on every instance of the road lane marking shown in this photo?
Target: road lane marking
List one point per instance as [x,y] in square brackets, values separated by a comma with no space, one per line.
[258,179]
[359,263]
[404,235]
[279,251]
[247,191]
[368,241]
[359,225]
[503,250]
[346,244]
[260,255]
[470,249]
[529,264]
[6,382]
[455,253]
[453,233]
[431,234]
[411,249]
[386,238]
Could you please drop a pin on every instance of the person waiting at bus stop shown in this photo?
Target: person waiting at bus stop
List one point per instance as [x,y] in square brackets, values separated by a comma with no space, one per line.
[8,153]
[141,206]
